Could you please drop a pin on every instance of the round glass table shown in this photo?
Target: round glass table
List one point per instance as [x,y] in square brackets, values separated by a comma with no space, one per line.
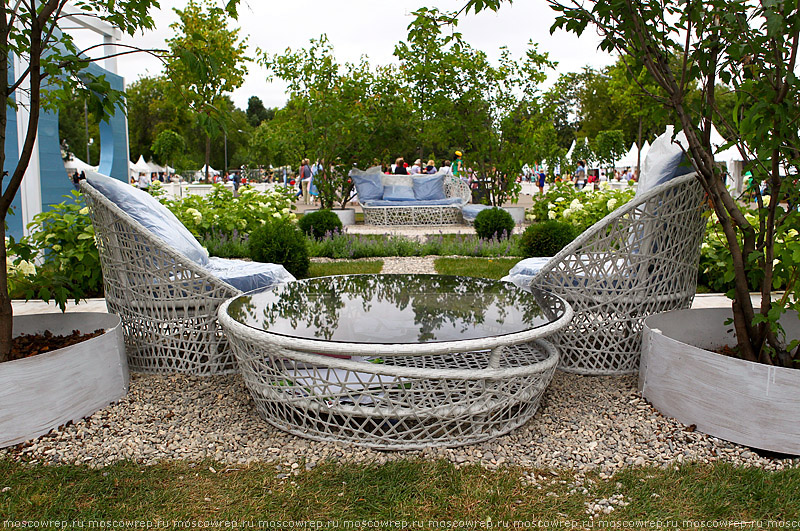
[396,361]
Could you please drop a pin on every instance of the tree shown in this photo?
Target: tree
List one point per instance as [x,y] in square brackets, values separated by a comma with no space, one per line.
[342,110]
[168,145]
[206,63]
[29,30]
[609,146]
[154,106]
[751,47]
[257,113]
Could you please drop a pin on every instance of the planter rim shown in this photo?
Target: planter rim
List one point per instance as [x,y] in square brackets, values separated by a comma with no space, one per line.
[114,322]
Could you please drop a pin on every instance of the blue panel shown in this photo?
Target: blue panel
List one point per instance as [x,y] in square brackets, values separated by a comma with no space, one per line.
[12,155]
[113,133]
[53,179]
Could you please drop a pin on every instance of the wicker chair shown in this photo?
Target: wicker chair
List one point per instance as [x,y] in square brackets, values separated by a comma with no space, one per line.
[639,260]
[167,302]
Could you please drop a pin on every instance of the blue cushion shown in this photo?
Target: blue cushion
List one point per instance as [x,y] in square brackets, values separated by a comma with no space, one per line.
[434,202]
[247,276]
[429,187]
[470,212]
[154,216]
[368,184]
[398,193]
[523,272]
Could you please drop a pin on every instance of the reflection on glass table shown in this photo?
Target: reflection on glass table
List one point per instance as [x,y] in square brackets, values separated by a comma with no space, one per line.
[396,361]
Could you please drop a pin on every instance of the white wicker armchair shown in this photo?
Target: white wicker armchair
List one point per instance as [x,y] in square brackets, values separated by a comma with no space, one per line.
[167,302]
[639,260]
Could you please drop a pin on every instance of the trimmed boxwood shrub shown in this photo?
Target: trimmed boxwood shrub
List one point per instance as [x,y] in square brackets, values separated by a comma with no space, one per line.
[281,242]
[493,221]
[317,224]
[547,238]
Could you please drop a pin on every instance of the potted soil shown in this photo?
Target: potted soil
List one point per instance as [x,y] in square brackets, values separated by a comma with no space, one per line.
[44,391]
[684,376]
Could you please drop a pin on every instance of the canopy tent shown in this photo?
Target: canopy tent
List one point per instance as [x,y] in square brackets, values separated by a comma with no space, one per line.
[78,165]
[628,160]
[568,156]
[140,166]
[155,167]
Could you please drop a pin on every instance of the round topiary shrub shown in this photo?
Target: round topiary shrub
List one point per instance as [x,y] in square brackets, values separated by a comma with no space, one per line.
[317,224]
[547,238]
[281,242]
[493,221]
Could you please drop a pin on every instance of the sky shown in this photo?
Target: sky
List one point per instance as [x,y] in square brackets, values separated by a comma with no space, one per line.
[363,27]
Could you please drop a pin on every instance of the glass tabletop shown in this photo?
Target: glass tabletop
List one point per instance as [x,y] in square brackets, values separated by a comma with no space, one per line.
[396,309]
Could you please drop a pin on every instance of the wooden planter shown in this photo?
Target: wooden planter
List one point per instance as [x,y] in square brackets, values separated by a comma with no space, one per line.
[45,391]
[740,401]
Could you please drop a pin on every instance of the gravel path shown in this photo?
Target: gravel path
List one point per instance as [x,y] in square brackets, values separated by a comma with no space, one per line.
[584,423]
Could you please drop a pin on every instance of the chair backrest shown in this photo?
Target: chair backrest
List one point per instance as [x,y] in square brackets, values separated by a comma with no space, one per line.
[138,265]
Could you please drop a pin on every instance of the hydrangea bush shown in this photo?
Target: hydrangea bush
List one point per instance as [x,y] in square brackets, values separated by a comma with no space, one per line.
[582,208]
[220,213]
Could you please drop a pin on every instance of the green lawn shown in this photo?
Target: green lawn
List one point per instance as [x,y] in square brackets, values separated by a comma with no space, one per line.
[403,491]
[351,267]
[495,268]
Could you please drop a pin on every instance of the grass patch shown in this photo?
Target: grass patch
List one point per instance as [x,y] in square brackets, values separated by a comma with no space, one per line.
[495,268]
[404,491]
[351,267]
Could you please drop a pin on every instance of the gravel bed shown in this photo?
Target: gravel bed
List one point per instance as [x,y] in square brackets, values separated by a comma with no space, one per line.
[584,423]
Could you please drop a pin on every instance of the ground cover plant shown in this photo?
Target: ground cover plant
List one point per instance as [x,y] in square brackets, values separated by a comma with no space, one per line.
[344,267]
[720,495]
[495,268]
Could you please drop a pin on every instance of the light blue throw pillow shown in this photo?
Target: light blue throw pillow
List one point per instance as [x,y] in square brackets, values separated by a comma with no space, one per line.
[429,187]
[368,184]
[154,216]
[665,161]
[398,193]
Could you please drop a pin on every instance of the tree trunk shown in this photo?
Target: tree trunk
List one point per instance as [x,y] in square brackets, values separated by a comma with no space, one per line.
[208,154]
[638,152]
[6,310]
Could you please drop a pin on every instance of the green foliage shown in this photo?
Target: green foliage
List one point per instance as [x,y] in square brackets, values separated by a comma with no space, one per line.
[495,268]
[354,246]
[219,213]
[168,145]
[281,242]
[493,223]
[564,202]
[318,224]
[547,238]
[61,240]
[608,147]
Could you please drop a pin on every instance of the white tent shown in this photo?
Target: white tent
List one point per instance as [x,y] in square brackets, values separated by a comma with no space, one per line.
[568,156]
[140,166]
[628,160]
[155,167]
[77,164]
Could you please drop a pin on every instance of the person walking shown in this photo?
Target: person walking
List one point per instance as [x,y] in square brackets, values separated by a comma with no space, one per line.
[455,166]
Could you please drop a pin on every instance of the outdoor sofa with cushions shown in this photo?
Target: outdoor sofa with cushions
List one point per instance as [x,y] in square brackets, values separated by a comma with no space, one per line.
[162,283]
[410,199]
[639,260]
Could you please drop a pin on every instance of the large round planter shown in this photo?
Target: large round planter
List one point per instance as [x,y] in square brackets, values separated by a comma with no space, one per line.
[48,390]
[740,401]
[517,213]
[346,215]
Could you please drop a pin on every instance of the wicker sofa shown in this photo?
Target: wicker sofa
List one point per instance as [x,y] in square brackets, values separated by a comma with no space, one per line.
[162,283]
[410,200]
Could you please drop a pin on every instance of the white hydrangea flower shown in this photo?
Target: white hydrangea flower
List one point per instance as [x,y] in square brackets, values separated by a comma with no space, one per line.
[704,246]
[605,186]
[285,210]
[550,206]
[242,224]
[791,233]
[530,217]
[576,205]
[567,213]
[84,211]
[276,215]
[559,199]
[551,215]
[196,215]
[611,204]
[766,199]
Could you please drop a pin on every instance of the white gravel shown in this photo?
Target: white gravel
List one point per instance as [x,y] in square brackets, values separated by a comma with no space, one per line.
[584,423]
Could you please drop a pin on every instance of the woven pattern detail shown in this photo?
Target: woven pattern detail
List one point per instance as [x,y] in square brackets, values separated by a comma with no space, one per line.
[419,214]
[396,402]
[640,260]
[167,303]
